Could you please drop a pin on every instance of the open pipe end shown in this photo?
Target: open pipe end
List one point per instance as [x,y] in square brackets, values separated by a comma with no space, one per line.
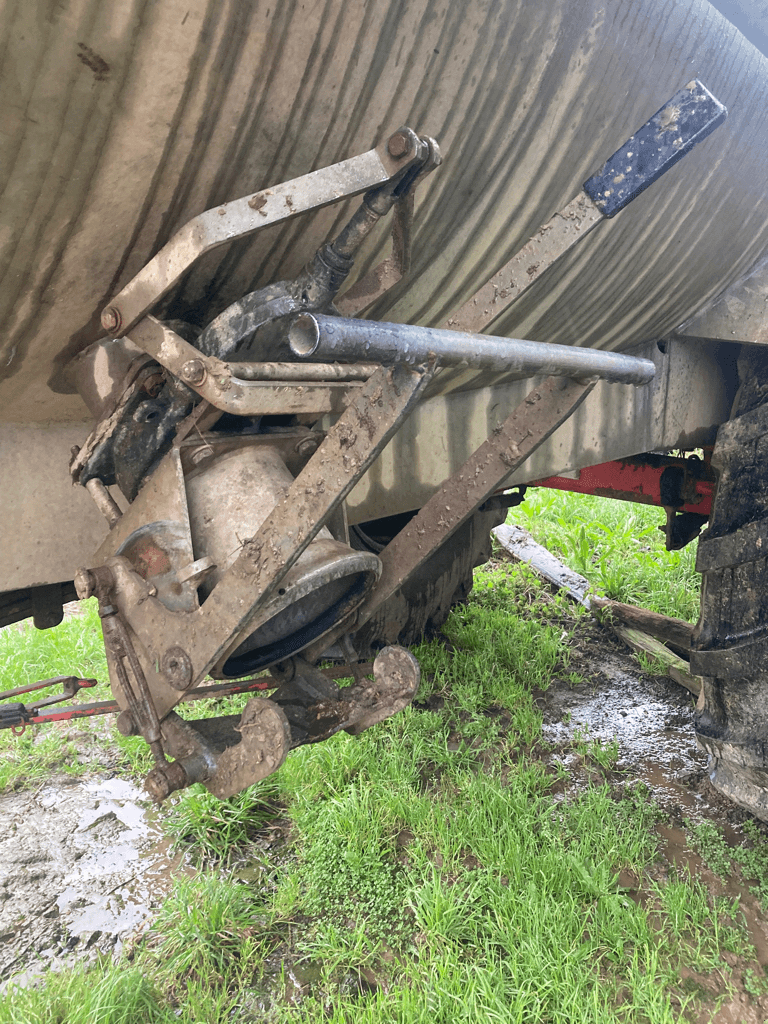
[304,335]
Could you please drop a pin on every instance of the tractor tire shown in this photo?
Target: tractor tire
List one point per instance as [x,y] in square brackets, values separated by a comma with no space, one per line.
[730,643]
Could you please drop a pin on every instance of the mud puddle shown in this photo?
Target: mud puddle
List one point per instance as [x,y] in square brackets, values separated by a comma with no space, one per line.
[651,720]
[83,865]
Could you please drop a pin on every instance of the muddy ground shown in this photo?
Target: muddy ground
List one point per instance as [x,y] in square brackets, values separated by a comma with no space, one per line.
[84,865]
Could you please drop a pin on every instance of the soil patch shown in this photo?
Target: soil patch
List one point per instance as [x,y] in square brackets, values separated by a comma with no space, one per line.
[83,864]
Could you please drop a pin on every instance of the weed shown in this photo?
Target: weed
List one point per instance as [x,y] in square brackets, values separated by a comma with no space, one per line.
[650,665]
[619,548]
[709,843]
[755,984]
[208,930]
[109,994]
[216,828]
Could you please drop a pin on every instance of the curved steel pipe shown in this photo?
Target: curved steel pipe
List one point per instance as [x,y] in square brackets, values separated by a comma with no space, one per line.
[314,335]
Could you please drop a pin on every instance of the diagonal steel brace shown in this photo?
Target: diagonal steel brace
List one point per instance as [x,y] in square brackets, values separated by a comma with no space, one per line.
[539,414]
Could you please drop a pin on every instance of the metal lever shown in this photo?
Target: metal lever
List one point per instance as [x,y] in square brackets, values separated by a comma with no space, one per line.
[241,217]
[71,685]
[13,716]
[688,118]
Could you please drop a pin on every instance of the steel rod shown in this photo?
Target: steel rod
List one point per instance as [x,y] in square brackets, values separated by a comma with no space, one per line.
[314,335]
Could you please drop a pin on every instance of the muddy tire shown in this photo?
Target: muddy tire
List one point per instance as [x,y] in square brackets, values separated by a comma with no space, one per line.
[730,642]
[421,607]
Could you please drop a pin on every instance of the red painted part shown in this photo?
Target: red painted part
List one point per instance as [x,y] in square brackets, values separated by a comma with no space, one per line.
[111,707]
[635,480]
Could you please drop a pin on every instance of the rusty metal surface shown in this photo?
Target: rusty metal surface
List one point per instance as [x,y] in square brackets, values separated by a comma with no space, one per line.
[539,415]
[227,755]
[551,241]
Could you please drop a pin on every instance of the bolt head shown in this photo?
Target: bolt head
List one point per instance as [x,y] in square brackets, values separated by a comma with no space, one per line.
[307,446]
[398,145]
[201,454]
[193,371]
[177,668]
[110,318]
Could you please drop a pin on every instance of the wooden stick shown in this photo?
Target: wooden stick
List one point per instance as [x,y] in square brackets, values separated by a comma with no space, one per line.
[635,624]
[664,627]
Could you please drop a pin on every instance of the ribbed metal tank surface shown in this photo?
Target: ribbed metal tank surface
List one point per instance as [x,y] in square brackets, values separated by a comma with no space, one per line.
[122,120]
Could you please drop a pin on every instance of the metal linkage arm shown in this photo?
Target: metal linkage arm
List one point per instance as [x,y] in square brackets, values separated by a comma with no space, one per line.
[539,414]
[684,121]
[241,217]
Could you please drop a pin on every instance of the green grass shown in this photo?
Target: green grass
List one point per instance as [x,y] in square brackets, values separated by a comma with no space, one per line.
[618,546]
[437,856]
[109,994]
[749,859]
[75,647]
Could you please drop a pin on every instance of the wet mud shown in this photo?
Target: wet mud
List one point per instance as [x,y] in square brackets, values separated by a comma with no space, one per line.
[83,866]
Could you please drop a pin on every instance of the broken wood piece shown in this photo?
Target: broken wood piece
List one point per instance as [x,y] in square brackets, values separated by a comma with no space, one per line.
[676,668]
[519,543]
[638,622]
[663,627]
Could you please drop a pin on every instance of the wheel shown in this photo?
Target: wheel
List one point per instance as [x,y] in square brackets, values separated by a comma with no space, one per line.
[423,604]
[730,643]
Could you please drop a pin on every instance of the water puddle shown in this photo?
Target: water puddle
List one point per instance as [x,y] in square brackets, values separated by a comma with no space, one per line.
[83,865]
[651,721]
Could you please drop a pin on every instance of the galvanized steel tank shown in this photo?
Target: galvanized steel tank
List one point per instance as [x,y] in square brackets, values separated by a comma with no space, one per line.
[122,121]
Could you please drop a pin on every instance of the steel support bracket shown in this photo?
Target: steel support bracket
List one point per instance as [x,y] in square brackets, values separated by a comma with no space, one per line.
[242,217]
[237,604]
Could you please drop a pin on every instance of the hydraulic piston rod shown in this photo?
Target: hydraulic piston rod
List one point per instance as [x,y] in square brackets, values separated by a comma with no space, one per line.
[320,337]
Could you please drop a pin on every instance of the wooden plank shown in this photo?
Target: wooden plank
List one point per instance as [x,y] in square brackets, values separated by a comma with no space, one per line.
[674,667]
[521,545]
[663,627]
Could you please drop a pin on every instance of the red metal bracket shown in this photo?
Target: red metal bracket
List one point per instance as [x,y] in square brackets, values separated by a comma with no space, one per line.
[684,484]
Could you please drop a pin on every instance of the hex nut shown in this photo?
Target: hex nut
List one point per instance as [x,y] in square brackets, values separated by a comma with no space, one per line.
[193,372]
[111,319]
[398,145]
